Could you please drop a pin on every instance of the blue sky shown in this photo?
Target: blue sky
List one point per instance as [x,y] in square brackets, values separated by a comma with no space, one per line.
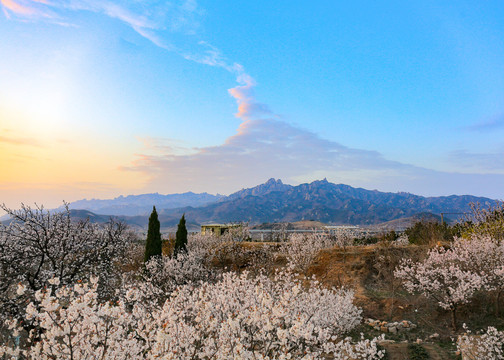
[102,98]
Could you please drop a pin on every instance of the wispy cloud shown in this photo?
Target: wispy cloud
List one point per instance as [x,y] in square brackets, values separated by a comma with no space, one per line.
[28,9]
[147,18]
[495,123]
[483,162]
[154,20]
[20,141]
[159,145]
[210,55]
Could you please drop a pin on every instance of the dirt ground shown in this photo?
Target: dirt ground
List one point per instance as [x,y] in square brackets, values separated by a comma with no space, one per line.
[369,271]
[399,351]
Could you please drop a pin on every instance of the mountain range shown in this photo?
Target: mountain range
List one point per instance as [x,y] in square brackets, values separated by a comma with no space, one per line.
[133,205]
[275,201]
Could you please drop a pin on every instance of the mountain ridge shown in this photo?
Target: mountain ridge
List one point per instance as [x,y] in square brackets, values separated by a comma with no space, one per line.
[323,201]
[274,201]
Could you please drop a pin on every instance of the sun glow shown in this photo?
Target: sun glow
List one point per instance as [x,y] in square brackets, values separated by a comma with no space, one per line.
[40,150]
[42,111]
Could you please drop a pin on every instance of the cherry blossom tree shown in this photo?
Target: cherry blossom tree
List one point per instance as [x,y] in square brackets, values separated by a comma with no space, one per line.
[77,325]
[484,255]
[237,232]
[231,252]
[302,249]
[444,276]
[453,276]
[38,245]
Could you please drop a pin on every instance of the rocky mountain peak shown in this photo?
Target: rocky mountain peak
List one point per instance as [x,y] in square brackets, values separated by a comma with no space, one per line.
[262,189]
[272,181]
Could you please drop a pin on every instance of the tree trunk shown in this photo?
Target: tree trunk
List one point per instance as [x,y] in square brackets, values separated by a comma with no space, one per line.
[454,317]
[497,303]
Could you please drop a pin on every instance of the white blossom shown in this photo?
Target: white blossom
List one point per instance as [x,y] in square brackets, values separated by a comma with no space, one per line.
[236,317]
[302,249]
[489,345]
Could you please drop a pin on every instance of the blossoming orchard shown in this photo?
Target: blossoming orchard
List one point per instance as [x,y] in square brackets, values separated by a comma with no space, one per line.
[78,290]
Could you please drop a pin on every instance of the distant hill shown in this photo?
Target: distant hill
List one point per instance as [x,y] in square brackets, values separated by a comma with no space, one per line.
[85,214]
[133,205]
[274,202]
[404,223]
[138,222]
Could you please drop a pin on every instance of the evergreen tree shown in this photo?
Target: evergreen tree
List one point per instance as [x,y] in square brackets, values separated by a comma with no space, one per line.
[153,246]
[181,238]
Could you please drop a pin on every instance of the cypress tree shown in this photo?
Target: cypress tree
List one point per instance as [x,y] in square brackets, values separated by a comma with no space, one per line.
[153,245]
[181,237]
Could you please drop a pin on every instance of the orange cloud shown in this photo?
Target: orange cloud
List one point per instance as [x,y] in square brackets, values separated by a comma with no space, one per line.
[19,141]
[27,8]
[248,107]
[17,8]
